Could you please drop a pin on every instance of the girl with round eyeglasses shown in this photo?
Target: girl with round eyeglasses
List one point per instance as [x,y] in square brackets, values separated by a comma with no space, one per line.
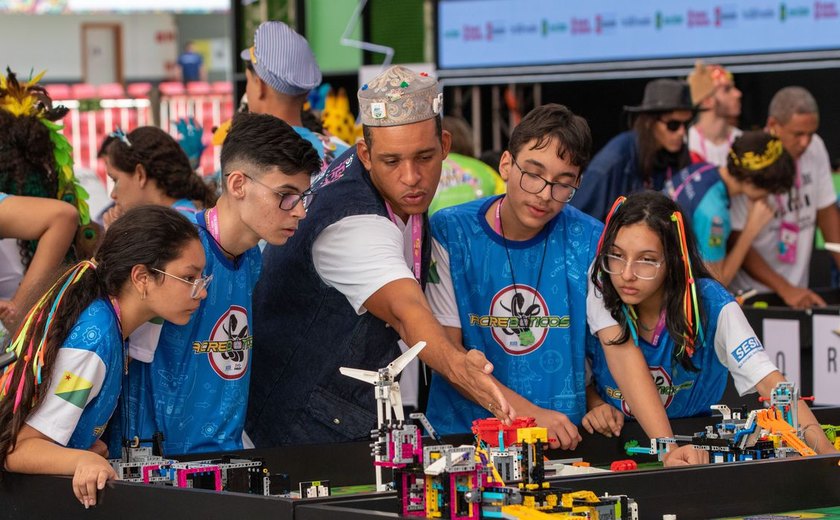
[670,334]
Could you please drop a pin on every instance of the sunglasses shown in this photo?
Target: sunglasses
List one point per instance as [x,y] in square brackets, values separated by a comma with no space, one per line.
[674,125]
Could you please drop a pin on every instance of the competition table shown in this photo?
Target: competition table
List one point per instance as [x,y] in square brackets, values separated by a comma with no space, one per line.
[699,492]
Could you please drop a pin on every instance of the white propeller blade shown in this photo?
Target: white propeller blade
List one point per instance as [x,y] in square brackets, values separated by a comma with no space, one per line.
[396,366]
[396,401]
[368,376]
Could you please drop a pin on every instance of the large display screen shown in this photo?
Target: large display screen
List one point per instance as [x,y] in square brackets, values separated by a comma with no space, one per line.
[89,6]
[511,33]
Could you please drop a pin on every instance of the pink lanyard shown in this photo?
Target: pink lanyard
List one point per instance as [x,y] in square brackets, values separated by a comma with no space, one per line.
[729,140]
[212,220]
[416,223]
[498,227]
[660,327]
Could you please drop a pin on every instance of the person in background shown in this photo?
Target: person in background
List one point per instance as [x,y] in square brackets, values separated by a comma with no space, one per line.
[757,167]
[280,69]
[191,65]
[714,93]
[780,257]
[36,160]
[645,156]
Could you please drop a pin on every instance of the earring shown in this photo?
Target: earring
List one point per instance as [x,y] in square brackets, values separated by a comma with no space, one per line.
[143,296]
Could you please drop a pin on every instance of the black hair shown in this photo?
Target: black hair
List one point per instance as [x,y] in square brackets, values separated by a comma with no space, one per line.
[263,143]
[369,137]
[652,156]
[164,161]
[654,210]
[151,236]
[760,159]
[553,121]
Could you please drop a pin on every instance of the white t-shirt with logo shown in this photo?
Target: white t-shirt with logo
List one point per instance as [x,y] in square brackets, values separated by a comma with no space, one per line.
[816,191]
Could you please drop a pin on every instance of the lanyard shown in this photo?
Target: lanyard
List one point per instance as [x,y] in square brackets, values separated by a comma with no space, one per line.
[498,226]
[212,219]
[660,327]
[416,223]
[116,306]
[729,141]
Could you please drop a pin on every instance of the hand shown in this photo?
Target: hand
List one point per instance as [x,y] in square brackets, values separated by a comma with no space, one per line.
[482,388]
[605,419]
[686,455]
[92,471]
[758,215]
[8,315]
[801,297]
[111,216]
[100,448]
[562,432]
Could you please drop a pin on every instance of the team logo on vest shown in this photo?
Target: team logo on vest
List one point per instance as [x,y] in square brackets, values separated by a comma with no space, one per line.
[230,343]
[664,385]
[519,319]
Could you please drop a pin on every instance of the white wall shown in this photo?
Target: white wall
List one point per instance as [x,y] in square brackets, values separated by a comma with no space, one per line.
[54,43]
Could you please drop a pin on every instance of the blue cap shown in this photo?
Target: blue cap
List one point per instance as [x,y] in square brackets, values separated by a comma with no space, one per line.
[282,58]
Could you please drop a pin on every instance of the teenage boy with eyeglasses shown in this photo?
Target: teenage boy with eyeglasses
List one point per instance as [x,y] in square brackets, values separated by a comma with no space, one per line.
[508,278]
[195,391]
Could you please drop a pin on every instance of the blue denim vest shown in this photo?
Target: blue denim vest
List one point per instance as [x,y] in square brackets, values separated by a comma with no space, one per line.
[305,330]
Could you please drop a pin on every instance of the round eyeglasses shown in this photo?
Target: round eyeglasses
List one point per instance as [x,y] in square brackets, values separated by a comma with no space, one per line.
[198,285]
[534,184]
[641,269]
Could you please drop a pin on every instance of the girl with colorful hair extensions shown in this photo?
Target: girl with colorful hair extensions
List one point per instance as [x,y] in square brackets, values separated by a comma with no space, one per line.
[70,354]
[657,312]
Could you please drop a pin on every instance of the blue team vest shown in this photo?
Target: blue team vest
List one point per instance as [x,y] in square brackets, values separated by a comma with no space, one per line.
[196,389]
[305,330]
[533,335]
[683,393]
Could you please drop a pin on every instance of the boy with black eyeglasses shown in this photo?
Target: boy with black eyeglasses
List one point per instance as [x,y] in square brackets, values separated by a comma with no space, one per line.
[508,278]
[195,391]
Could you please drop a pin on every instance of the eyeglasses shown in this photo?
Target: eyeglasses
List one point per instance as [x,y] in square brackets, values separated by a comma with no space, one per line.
[641,269]
[675,124]
[288,201]
[534,184]
[198,284]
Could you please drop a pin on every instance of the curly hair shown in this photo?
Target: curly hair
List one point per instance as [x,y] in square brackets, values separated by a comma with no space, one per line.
[164,161]
[27,164]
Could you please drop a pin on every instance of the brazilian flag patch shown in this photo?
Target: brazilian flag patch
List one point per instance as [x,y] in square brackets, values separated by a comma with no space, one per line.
[74,389]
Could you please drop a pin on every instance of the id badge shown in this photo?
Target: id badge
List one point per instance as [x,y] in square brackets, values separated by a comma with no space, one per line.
[788,234]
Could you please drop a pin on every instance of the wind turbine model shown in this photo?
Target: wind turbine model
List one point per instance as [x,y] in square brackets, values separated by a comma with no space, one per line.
[388,400]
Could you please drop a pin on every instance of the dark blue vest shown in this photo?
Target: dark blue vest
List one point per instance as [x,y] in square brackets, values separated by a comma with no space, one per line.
[305,330]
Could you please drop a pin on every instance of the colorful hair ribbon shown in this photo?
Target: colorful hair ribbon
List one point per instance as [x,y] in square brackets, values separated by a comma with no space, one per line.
[35,352]
[691,308]
[617,204]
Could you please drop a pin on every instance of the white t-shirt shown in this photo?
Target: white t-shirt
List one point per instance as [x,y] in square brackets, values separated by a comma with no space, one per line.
[11,268]
[710,152]
[360,254]
[816,192]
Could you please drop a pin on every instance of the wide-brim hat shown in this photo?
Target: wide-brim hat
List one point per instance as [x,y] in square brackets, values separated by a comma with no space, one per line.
[664,95]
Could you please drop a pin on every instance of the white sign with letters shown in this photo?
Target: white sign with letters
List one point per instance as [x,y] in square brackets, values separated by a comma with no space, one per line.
[826,359]
[781,341]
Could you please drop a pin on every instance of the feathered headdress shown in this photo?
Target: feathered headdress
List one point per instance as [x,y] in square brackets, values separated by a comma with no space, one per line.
[28,99]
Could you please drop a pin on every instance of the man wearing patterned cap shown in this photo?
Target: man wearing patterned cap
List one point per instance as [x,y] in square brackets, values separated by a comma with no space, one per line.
[714,93]
[349,285]
[281,70]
